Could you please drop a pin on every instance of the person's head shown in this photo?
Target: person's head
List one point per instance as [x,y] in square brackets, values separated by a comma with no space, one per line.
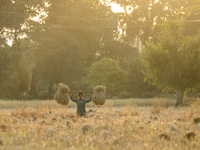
[80,95]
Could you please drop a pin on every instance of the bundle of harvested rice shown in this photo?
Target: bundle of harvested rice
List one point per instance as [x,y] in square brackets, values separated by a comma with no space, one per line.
[61,96]
[98,98]
[63,88]
[100,89]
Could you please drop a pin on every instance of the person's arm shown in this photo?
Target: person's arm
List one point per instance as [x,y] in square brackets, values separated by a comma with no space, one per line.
[88,100]
[74,100]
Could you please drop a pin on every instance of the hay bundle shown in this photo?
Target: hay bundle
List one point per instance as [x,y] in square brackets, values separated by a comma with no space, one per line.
[63,88]
[98,98]
[101,89]
[61,94]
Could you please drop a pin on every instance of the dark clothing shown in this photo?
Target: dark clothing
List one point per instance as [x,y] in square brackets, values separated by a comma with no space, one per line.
[80,105]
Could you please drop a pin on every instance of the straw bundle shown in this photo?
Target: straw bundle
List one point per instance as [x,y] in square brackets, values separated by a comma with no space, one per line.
[63,88]
[61,94]
[100,89]
[98,98]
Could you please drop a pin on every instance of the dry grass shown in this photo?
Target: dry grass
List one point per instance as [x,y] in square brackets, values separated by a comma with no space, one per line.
[158,106]
[108,127]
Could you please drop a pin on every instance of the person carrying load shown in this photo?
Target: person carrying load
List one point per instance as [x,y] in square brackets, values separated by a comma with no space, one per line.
[81,111]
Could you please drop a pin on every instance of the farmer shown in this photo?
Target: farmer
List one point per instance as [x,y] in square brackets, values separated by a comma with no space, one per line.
[80,104]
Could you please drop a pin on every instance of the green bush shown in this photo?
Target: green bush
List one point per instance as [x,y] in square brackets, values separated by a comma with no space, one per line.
[107,72]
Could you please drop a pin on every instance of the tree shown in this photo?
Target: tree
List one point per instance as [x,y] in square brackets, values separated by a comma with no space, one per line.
[57,59]
[107,72]
[66,45]
[141,23]
[137,86]
[13,75]
[192,16]
[174,62]
[119,51]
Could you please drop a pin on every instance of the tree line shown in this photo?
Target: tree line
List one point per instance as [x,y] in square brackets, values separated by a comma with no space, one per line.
[84,43]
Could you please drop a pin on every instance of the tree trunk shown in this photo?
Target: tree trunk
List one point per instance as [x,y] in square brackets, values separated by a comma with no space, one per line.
[50,90]
[34,81]
[179,95]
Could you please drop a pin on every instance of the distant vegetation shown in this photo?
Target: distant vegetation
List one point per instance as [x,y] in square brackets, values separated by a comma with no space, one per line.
[84,43]
[109,102]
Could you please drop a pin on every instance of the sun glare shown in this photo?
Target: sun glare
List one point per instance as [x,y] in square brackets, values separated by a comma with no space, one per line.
[9,42]
[117,8]
[40,17]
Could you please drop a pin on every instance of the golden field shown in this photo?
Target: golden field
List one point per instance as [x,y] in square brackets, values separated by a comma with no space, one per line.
[115,126]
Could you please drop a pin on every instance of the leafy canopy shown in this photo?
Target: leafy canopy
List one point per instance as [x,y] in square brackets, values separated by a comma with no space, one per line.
[107,72]
[173,63]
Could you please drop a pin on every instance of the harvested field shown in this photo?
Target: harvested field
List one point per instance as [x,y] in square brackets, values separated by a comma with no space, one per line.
[47,125]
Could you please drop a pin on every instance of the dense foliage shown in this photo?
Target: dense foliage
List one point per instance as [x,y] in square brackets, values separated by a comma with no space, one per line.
[107,72]
[174,62]
[43,43]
